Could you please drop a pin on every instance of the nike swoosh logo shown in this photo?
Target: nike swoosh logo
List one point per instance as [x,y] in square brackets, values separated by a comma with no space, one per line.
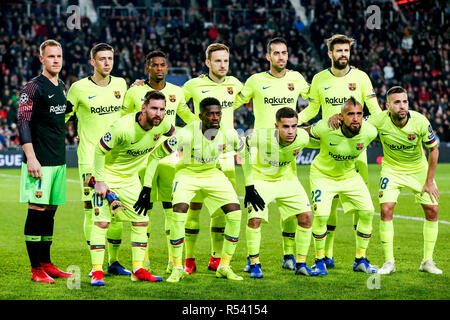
[91,97]
[385,134]
[332,144]
[51,96]
[264,88]
[134,142]
[205,91]
[326,88]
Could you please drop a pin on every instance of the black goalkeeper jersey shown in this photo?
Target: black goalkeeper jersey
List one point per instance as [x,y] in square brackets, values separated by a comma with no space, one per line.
[42,106]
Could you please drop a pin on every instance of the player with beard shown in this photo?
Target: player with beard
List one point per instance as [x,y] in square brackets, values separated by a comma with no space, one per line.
[118,158]
[270,91]
[333,172]
[329,89]
[402,133]
[156,66]
[197,173]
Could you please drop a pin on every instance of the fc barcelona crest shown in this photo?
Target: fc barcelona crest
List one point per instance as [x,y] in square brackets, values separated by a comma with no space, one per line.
[86,191]
[296,152]
[156,137]
[38,194]
[359,146]
[117,94]
[411,137]
[230,90]
[172,98]
[221,147]
[380,194]
[291,86]
[352,86]
[96,211]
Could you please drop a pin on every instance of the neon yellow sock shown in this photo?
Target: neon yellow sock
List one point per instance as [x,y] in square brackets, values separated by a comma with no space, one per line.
[192,229]
[114,236]
[302,242]
[430,233]
[387,239]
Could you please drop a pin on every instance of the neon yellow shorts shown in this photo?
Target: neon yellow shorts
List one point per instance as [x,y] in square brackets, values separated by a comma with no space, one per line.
[353,193]
[83,171]
[391,184]
[289,194]
[227,166]
[128,194]
[214,188]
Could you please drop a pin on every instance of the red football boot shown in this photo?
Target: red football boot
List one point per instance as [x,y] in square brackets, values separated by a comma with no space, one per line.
[54,272]
[144,275]
[39,275]
[213,263]
[189,265]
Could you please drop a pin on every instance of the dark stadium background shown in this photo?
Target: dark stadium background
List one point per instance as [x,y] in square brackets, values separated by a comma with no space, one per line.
[410,49]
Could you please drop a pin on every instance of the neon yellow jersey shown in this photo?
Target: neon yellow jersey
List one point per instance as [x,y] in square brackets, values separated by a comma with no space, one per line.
[203,87]
[330,92]
[402,147]
[336,159]
[199,154]
[271,161]
[175,102]
[270,94]
[96,108]
[123,149]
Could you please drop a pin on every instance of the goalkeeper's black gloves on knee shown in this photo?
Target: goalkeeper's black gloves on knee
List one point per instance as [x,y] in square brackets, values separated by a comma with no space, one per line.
[143,203]
[252,196]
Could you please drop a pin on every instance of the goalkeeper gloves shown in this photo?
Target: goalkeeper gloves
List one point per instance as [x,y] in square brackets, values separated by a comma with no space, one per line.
[143,203]
[252,196]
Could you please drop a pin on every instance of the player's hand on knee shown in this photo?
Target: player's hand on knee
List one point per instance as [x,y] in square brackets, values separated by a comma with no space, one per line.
[143,203]
[252,196]
[101,188]
[432,190]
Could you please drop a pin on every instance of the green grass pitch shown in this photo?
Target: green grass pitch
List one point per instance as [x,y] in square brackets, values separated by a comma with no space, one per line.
[70,249]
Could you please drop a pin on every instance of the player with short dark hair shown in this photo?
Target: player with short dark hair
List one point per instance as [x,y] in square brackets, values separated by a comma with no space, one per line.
[118,157]
[333,172]
[270,178]
[96,101]
[197,174]
[270,91]
[402,133]
[156,66]
[329,89]
[225,88]
[42,106]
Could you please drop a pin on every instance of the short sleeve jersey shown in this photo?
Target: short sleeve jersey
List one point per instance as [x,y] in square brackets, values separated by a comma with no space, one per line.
[175,102]
[203,87]
[199,153]
[127,146]
[330,92]
[402,147]
[95,107]
[270,94]
[272,160]
[336,159]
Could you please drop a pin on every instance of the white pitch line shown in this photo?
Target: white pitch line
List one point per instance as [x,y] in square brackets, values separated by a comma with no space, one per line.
[340,209]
